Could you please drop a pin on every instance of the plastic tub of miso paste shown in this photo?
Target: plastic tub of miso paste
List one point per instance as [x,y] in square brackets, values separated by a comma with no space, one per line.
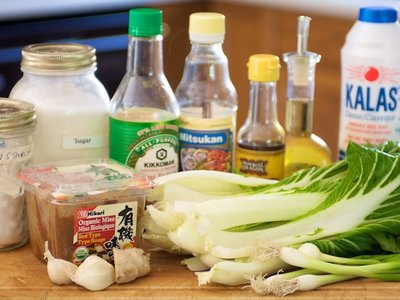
[84,207]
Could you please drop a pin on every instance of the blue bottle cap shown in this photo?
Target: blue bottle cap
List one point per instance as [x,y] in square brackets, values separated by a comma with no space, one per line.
[378,14]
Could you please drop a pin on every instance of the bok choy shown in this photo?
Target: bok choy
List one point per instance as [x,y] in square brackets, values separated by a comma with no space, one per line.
[347,209]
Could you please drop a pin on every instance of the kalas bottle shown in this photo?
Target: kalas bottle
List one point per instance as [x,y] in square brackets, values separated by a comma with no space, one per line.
[370,107]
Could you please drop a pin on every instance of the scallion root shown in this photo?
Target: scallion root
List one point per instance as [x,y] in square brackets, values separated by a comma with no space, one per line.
[259,284]
[276,285]
[282,287]
[263,251]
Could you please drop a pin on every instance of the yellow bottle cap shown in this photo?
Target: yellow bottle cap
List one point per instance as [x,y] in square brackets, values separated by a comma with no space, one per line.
[263,67]
[207,27]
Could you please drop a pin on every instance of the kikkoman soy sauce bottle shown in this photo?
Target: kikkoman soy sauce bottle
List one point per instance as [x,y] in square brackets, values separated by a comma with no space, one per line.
[261,140]
[144,112]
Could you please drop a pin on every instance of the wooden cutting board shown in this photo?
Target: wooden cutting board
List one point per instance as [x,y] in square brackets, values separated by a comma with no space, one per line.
[22,275]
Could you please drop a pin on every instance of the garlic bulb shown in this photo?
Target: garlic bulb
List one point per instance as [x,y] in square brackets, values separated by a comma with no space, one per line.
[94,274]
[130,263]
[59,270]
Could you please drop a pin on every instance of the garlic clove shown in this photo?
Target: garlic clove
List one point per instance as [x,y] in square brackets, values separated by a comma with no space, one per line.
[141,259]
[130,263]
[125,270]
[59,270]
[94,274]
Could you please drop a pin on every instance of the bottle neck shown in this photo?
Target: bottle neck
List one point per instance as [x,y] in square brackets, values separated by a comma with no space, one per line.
[145,56]
[212,50]
[205,80]
[263,103]
[209,61]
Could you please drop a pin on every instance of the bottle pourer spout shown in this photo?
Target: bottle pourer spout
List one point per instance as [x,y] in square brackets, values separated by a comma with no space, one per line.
[303,25]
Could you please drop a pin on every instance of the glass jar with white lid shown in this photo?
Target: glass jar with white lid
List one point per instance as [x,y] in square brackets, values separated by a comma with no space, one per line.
[72,104]
[17,124]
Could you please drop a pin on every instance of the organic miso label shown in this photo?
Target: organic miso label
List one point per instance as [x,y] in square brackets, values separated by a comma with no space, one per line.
[98,229]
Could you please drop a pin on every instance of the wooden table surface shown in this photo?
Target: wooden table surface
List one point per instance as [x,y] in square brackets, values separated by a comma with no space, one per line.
[22,275]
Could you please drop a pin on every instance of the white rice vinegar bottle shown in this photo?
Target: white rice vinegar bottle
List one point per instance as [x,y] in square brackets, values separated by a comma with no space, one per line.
[207,99]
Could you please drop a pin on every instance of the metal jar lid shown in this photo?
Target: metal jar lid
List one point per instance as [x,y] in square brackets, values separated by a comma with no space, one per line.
[16,114]
[58,57]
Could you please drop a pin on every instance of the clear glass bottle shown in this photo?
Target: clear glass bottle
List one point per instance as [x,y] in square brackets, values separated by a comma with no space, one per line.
[144,113]
[17,124]
[207,99]
[261,140]
[303,148]
[71,103]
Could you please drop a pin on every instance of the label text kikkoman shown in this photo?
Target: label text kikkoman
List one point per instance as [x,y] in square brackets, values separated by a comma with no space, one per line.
[158,164]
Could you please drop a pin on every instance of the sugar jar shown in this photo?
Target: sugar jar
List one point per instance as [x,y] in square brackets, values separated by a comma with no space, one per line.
[72,104]
[17,123]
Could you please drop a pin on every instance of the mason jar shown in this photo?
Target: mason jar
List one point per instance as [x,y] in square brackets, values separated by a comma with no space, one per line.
[71,103]
[17,124]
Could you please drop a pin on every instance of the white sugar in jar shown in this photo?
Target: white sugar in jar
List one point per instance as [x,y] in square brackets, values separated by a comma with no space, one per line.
[72,104]
[17,123]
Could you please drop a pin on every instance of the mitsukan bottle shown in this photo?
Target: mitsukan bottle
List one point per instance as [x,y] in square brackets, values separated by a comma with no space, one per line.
[207,99]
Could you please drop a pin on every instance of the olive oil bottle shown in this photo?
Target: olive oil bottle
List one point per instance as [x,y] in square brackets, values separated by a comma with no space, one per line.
[261,140]
[303,148]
